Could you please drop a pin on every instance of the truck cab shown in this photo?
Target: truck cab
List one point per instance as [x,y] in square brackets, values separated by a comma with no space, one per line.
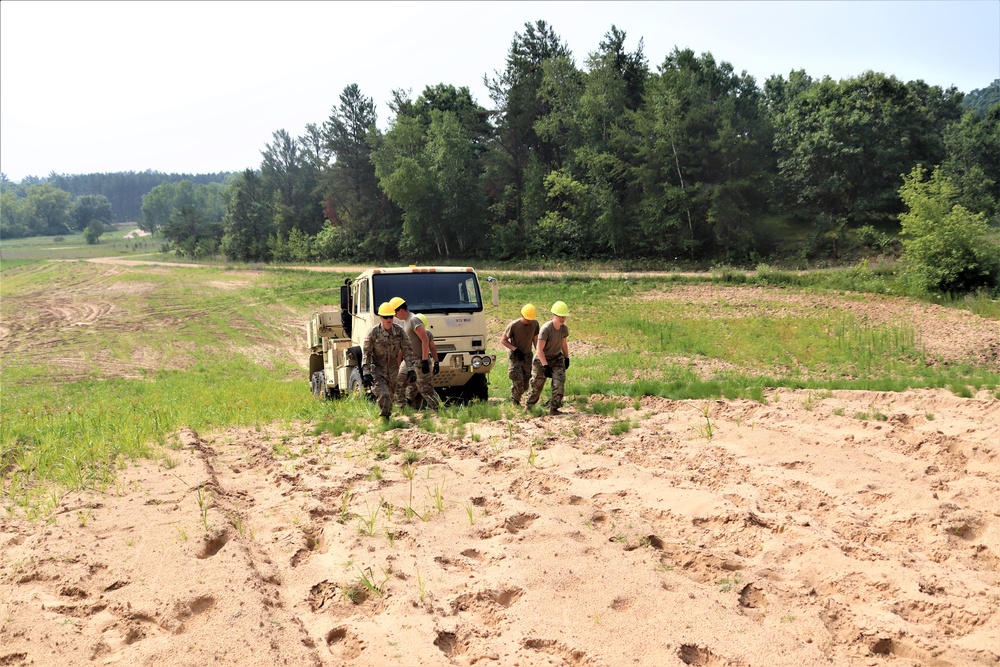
[451,300]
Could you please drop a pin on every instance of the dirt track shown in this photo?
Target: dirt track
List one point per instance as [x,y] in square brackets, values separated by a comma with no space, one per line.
[358,269]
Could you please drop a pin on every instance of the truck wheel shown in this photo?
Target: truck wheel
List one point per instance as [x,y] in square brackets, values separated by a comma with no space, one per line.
[476,389]
[319,388]
[354,385]
[318,384]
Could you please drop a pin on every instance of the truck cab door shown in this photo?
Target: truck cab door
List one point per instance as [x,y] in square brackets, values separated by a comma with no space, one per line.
[346,319]
[360,307]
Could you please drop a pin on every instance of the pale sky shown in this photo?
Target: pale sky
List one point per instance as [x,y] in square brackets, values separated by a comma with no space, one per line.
[199,87]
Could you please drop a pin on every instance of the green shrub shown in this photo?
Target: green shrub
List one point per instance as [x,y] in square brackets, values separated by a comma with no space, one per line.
[946,248]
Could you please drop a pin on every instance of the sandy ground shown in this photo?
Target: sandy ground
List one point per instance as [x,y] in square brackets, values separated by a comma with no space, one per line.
[843,528]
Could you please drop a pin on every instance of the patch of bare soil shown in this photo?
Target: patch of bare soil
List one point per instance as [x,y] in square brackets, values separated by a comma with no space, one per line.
[820,528]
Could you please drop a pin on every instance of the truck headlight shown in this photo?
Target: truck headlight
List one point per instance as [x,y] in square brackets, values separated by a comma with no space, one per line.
[487,361]
[477,362]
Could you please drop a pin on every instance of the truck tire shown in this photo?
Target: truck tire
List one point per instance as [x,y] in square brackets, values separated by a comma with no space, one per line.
[476,389]
[318,384]
[354,385]
[319,388]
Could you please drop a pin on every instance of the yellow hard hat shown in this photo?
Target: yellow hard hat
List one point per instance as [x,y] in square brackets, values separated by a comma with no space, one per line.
[386,309]
[395,302]
[423,318]
[559,308]
[528,312]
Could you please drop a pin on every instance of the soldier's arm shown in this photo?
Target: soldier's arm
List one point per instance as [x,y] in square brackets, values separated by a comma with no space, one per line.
[406,352]
[505,341]
[425,348]
[367,358]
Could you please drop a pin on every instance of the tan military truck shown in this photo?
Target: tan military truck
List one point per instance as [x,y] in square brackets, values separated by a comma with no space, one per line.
[450,299]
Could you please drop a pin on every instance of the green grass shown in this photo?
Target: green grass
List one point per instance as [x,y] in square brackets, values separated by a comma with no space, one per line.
[653,344]
[884,278]
[338,425]
[212,347]
[621,427]
[79,434]
[74,246]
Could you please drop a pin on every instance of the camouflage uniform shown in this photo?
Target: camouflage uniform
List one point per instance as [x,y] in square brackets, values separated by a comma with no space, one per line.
[423,385]
[381,358]
[551,340]
[413,397]
[522,336]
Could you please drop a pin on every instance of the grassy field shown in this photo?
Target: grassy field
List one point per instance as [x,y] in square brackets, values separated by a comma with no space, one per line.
[74,246]
[101,364]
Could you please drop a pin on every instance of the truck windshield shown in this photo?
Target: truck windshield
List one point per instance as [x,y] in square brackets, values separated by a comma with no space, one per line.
[430,292]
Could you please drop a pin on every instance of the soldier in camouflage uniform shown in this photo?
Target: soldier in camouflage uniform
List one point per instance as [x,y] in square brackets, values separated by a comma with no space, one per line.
[520,337]
[384,349]
[412,396]
[420,347]
[552,359]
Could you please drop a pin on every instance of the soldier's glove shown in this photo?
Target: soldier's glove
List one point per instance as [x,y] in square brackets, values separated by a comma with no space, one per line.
[518,355]
[437,367]
[425,366]
[567,363]
[547,370]
[411,375]
[367,380]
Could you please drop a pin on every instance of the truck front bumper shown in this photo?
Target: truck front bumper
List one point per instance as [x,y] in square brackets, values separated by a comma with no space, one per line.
[458,367]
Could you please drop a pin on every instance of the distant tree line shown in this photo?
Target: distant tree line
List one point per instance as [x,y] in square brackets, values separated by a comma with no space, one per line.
[42,209]
[614,159]
[123,190]
[62,204]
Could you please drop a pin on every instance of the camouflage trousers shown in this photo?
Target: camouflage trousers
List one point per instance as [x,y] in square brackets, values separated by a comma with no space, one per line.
[519,372]
[383,390]
[419,394]
[537,383]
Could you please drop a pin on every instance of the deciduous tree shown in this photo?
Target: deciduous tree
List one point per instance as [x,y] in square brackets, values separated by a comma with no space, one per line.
[946,248]
[973,161]
[88,208]
[434,178]
[49,210]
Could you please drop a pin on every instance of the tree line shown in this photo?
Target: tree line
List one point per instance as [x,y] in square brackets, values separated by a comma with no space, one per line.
[125,190]
[41,209]
[23,212]
[612,159]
